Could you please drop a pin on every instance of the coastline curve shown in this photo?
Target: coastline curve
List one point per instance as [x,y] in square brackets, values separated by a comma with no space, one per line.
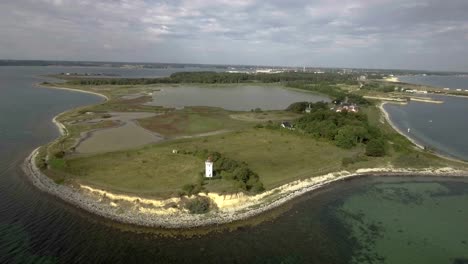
[180,219]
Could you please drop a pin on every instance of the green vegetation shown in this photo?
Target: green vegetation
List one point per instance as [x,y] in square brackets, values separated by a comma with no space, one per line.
[250,150]
[154,173]
[199,205]
[192,121]
[223,77]
[376,147]
[380,87]
[345,129]
[276,156]
[232,170]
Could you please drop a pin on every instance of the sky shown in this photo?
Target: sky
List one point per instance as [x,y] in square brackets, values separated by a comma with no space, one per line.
[416,34]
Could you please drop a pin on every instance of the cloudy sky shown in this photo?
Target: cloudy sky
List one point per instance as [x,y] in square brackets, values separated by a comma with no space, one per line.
[416,34]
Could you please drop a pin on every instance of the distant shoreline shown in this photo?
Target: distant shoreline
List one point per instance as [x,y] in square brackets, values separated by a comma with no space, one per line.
[416,143]
[72,90]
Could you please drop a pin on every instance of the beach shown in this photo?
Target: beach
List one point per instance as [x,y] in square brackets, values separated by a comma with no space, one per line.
[417,144]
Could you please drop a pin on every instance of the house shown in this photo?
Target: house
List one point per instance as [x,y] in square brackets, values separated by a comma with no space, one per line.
[287,125]
[349,108]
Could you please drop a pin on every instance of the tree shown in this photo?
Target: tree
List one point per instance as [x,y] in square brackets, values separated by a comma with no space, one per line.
[297,107]
[345,137]
[376,147]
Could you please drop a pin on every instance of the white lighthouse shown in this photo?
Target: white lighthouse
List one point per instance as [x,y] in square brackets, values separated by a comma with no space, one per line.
[209,168]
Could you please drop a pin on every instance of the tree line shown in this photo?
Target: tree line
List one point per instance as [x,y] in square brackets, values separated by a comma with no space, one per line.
[344,129]
[225,77]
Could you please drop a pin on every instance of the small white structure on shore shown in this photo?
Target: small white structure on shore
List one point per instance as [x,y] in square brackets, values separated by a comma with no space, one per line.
[308,110]
[209,168]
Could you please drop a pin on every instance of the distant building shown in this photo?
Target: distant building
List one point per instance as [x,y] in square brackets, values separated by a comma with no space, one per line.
[209,168]
[348,108]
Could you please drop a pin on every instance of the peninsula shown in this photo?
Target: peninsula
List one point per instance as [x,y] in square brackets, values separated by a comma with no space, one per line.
[138,159]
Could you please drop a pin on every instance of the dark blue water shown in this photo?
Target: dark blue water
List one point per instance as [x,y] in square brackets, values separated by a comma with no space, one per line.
[35,228]
[453,82]
[443,127]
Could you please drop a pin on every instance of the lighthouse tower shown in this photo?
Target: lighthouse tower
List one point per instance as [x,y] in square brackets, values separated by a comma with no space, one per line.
[209,168]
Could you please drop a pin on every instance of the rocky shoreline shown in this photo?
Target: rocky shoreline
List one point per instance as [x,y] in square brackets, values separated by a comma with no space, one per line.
[178,219]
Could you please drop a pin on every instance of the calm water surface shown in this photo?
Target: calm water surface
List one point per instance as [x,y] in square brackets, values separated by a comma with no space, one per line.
[442,127]
[453,82]
[368,220]
[240,98]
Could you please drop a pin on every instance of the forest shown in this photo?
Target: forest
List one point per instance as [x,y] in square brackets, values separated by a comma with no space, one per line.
[344,129]
[225,77]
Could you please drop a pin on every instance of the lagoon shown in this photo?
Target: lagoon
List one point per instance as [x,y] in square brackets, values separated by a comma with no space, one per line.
[233,97]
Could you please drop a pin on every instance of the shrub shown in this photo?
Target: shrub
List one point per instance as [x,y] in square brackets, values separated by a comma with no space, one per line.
[59,154]
[199,205]
[376,147]
[297,107]
[188,188]
[257,187]
[347,161]
[191,189]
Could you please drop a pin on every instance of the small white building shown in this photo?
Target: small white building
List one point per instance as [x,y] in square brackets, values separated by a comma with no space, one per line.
[209,168]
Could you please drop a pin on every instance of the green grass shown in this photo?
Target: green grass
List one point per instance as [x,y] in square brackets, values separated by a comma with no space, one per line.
[192,121]
[147,171]
[278,156]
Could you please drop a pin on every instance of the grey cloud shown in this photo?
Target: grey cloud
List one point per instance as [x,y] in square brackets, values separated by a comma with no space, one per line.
[425,34]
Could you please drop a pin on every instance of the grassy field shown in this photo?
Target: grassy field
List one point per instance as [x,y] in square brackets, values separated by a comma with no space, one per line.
[278,156]
[192,121]
[199,120]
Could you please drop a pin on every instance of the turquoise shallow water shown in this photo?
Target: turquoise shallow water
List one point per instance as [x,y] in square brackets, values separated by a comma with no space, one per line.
[408,222]
[352,220]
